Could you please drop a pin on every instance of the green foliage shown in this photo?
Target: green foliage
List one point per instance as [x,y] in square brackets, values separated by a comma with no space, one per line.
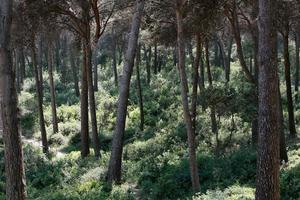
[235,192]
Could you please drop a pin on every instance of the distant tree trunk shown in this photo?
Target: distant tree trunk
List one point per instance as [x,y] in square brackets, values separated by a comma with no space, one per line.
[250,64]
[216,54]
[282,144]
[175,56]
[40,99]
[74,67]
[185,103]
[52,88]
[115,63]
[155,59]
[237,35]
[297,74]
[63,60]
[214,125]
[227,69]
[22,65]
[287,68]
[148,67]
[57,53]
[139,87]
[267,177]
[40,63]
[95,64]
[115,162]
[195,81]
[13,155]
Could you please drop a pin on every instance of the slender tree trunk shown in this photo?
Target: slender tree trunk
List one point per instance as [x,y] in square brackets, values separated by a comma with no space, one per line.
[64,66]
[148,61]
[287,68]
[237,35]
[185,103]
[95,64]
[227,70]
[52,88]
[283,151]
[267,177]
[22,65]
[115,162]
[92,102]
[40,62]
[195,81]
[115,63]
[155,59]
[214,125]
[9,117]
[139,87]
[297,74]
[40,100]
[74,67]
[57,53]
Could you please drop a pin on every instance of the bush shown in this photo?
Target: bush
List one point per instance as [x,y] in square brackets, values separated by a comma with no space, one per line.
[235,192]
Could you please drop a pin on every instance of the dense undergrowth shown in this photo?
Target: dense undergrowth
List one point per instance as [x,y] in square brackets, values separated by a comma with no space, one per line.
[155,161]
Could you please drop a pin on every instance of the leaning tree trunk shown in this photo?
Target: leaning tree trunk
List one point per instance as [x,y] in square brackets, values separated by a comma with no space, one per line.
[40,99]
[185,103]
[13,155]
[52,88]
[115,162]
[114,45]
[287,67]
[139,87]
[267,177]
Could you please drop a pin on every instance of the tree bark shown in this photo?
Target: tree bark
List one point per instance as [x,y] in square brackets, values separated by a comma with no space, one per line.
[14,168]
[52,87]
[267,177]
[22,65]
[95,64]
[115,163]
[185,103]
[139,87]
[287,68]
[148,61]
[40,98]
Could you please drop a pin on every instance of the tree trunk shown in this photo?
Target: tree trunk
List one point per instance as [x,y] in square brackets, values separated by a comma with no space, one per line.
[148,61]
[155,59]
[40,99]
[282,144]
[115,63]
[195,81]
[95,64]
[115,163]
[297,74]
[52,88]
[185,103]
[22,65]
[267,178]
[64,66]
[13,155]
[95,137]
[227,69]
[74,67]
[214,125]
[139,87]
[237,35]
[287,69]
[40,61]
